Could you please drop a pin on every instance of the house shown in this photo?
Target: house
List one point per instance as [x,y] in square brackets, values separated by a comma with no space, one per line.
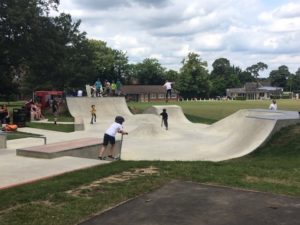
[253,90]
[147,93]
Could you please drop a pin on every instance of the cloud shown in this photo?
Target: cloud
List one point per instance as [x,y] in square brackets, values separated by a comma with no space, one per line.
[110,4]
[245,32]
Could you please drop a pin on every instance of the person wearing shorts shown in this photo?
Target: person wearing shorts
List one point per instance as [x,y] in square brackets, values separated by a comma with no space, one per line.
[109,137]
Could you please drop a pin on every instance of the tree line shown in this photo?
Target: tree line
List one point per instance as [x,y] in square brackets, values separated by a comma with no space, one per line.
[43,52]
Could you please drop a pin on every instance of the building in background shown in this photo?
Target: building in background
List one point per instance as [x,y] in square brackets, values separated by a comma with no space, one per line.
[254,90]
[147,93]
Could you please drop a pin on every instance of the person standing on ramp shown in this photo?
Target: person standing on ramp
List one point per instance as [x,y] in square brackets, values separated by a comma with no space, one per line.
[93,114]
[109,137]
[168,86]
[164,115]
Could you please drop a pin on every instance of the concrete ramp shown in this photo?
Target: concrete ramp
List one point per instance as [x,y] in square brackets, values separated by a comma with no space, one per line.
[234,136]
[175,112]
[107,108]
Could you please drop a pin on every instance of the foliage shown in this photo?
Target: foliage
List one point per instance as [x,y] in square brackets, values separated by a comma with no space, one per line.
[21,23]
[279,77]
[193,77]
[295,81]
[254,69]
[150,72]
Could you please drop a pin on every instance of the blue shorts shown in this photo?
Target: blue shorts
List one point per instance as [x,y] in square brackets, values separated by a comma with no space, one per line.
[108,139]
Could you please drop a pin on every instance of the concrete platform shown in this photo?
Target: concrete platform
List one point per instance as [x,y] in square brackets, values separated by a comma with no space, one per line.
[190,203]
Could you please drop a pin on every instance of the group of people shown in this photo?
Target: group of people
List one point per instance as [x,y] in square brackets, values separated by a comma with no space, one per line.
[34,109]
[107,89]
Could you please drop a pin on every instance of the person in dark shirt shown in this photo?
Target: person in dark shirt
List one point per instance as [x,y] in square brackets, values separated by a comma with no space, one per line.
[164,115]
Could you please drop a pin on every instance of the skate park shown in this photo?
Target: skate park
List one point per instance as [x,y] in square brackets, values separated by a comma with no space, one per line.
[234,136]
[156,143]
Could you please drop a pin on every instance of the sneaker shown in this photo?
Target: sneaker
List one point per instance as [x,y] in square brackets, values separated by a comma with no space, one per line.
[110,156]
[101,158]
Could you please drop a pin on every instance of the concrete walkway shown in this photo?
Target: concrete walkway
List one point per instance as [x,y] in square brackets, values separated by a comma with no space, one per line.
[17,170]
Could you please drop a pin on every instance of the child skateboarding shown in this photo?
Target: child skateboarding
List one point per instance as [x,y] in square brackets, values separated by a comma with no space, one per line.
[164,121]
[109,137]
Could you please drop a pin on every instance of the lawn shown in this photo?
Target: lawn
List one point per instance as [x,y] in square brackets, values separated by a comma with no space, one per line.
[73,197]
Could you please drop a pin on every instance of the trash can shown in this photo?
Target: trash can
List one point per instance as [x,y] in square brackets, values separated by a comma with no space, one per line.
[19,117]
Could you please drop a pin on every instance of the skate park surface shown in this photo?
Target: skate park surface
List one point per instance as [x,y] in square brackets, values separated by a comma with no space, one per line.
[234,136]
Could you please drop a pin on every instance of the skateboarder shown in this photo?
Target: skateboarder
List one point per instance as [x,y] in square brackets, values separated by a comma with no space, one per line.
[168,86]
[109,137]
[164,115]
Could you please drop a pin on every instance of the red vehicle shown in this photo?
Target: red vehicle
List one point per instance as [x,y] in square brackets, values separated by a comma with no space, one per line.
[44,97]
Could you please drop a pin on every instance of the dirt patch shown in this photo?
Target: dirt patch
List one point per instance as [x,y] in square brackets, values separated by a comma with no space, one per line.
[84,190]
[253,179]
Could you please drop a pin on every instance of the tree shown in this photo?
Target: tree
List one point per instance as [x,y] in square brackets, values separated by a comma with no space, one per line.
[296,81]
[171,75]
[193,77]
[256,68]
[221,68]
[279,77]
[19,19]
[150,72]
[223,76]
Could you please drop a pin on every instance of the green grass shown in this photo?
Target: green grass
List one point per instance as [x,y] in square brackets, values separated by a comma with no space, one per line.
[52,126]
[273,168]
[18,134]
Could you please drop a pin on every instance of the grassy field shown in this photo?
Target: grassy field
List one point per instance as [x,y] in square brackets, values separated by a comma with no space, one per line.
[73,197]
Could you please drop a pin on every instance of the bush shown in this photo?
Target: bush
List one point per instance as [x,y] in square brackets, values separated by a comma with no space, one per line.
[240,98]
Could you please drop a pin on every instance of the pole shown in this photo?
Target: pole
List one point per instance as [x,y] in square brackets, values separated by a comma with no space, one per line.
[119,158]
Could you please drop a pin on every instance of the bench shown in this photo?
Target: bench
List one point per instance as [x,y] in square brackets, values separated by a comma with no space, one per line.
[83,147]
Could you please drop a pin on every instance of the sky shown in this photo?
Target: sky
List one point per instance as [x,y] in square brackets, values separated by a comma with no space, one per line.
[243,31]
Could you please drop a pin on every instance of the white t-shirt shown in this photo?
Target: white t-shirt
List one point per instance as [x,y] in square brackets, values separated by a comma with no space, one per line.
[114,129]
[79,93]
[273,106]
[168,85]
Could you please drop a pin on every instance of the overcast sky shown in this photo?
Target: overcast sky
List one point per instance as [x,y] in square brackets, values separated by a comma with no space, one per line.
[243,31]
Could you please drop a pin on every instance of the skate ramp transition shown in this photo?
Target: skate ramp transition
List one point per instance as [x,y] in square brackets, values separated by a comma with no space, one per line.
[232,137]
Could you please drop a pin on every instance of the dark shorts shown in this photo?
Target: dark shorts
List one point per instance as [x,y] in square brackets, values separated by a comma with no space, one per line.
[108,139]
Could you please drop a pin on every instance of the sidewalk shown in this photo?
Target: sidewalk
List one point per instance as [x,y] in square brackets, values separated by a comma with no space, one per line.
[16,170]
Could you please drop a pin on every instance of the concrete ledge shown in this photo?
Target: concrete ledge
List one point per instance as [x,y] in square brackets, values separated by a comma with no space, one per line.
[3,140]
[84,148]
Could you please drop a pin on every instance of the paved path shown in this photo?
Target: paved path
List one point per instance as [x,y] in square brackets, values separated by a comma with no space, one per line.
[190,203]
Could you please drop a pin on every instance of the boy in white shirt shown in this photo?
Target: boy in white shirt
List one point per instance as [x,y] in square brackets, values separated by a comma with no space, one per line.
[168,86]
[109,136]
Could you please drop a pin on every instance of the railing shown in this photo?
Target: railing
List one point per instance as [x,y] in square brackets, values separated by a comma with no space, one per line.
[4,139]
